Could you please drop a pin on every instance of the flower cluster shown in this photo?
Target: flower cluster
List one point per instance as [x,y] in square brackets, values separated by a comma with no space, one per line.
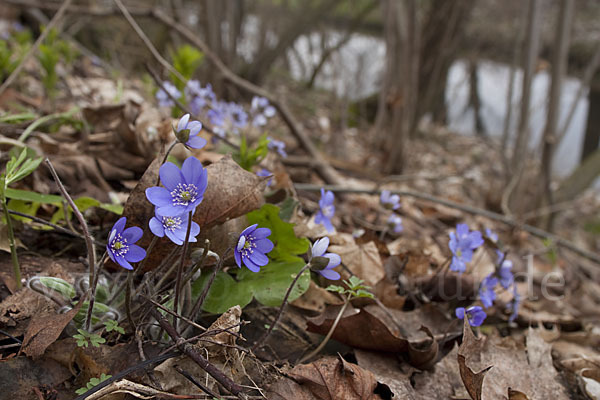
[225,117]
[391,201]
[475,314]
[278,146]
[326,210]
[264,173]
[261,111]
[462,244]
[502,275]
[163,98]
[395,223]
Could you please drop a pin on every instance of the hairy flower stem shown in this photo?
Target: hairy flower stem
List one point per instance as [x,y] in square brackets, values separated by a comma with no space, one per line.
[128,300]
[202,297]
[330,333]
[179,280]
[93,285]
[86,233]
[12,243]
[140,267]
[264,337]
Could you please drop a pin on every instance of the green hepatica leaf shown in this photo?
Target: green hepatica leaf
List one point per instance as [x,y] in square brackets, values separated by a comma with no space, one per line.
[270,284]
[224,293]
[287,245]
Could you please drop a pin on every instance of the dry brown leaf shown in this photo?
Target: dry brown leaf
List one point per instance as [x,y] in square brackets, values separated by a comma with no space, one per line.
[362,259]
[18,376]
[44,330]
[231,192]
[372,329]
[316,299]
[329,378]
[19,307]
[515,366]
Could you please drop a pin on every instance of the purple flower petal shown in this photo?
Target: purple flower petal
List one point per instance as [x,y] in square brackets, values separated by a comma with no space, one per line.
[460,312]
[135,253]
[192,170]
[183,122]
[261,233]
[120,224]
[174,237]
[320,246]
[330,274]
[158,196]
[250,265]
[334,260]
[132,234]
[264,245]
[259,258]
[156,227]
[196,142]
[170,176]
[238,258]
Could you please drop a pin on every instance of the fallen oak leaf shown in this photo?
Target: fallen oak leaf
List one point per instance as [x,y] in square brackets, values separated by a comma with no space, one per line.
[330,378]
[473,381]
[44,330]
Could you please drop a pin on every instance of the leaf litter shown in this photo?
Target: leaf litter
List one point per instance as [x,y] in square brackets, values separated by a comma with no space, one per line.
[409,345]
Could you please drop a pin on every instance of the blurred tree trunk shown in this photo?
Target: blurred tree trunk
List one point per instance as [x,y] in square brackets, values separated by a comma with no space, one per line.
[530,55]
[592,129]
[474,98]
[559,69]
[442,30]
[302,23]
[214,14]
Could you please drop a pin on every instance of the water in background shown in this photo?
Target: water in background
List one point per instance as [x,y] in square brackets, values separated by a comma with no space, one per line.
[355,72]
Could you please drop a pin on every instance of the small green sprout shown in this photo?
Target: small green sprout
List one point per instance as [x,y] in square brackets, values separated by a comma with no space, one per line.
[83,337]
[92,383]
[113,325]
[355,289]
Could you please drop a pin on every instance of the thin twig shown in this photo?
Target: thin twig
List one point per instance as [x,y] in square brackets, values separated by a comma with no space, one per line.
[61,11]
[147,41]
[264,337]
[195,355]
[165,309]
[202,297]
[126,372]
[190,378]
[329,334]
[86,233]
[54,226]
[93,285]
[465,208]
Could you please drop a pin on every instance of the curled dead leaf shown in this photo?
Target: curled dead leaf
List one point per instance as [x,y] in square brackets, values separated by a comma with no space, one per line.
[329,378]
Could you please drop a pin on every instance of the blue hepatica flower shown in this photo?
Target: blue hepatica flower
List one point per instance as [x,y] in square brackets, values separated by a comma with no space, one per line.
[265,172]
[326,210]
[475,315]
[163,98]
[175,228]
[187,132]
[261,110]
[121,248]
[505,274]
[198,97]
[183,189]
[278,146]
[487,294]
[252,246]
[389,201]
[491,235]
[462,244]
[395,223]
[514,305]
[319,249]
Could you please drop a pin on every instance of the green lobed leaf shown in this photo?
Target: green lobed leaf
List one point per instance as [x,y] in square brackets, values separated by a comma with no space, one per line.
[272,282]
[61,286]
[224,293]
[287,245]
